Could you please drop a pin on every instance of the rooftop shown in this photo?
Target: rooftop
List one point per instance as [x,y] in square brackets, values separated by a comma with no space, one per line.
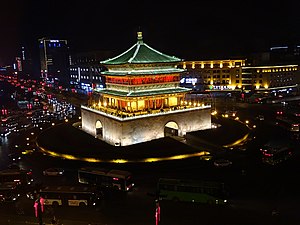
[141,53]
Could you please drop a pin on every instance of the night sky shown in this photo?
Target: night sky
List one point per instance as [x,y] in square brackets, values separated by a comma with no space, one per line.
[192,30]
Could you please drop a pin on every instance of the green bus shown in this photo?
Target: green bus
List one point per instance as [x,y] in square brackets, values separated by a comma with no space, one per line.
[192,191]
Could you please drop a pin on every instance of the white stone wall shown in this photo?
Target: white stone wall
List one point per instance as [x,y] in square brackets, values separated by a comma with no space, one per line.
[139,130]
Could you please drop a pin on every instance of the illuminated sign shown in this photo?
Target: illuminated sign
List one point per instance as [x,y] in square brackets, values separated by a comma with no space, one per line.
[188,81]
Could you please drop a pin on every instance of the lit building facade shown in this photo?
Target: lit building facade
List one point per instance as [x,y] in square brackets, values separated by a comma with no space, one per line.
[54,60]
[85,70]
[272,78]
[234,75]
[214,74]
[142,100]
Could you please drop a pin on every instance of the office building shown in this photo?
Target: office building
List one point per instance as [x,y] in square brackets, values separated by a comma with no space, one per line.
[55,61]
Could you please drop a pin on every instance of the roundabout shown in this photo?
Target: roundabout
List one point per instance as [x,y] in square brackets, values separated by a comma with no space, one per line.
[67,141]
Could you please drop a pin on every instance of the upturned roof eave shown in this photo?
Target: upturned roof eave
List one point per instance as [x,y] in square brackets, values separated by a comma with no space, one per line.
[134,53]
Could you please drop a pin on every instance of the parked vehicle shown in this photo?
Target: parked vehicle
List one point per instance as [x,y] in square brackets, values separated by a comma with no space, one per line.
[53,171]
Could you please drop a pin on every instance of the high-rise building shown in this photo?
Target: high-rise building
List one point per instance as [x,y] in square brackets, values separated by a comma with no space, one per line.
[54,58]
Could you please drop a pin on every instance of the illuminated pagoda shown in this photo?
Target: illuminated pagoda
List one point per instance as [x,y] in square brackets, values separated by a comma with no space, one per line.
[142,100]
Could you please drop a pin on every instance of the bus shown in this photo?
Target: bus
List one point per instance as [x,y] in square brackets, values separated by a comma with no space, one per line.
[106,178]
[207,192]
[275,152]
[80,195]
[19,176]
[287,124]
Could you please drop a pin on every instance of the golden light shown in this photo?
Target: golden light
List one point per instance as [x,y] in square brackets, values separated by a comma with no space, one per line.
[119,161]
[266,86]
[237,118]
[237,142]
[79,117]
[91,160]
[27,139]
[247,121]
[53,124]
[66,120]
[254,126]
[70,157]
[32,133]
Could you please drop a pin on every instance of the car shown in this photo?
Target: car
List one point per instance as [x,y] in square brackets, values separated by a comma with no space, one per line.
[15,156]
[53,171]
[222,162]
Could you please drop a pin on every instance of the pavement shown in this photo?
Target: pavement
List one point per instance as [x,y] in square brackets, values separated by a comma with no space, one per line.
[67,141]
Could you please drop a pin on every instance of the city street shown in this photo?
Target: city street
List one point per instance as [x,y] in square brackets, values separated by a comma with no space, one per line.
[255,188]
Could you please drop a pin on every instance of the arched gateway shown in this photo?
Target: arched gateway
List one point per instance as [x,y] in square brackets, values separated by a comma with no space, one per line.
[99,129]
[171,129]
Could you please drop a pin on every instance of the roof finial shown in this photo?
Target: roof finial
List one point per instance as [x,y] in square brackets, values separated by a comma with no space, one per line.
[140,36]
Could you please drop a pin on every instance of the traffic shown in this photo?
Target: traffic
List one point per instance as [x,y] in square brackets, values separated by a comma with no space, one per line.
[248,181]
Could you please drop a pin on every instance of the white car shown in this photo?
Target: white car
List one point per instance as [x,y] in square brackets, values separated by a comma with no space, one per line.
[222,162]
[53,172]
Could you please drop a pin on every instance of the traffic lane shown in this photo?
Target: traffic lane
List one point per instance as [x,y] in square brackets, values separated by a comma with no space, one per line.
[138,205]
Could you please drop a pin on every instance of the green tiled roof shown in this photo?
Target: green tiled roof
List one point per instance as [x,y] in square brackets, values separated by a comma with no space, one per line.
[143,72]
[143,93]
[141,53]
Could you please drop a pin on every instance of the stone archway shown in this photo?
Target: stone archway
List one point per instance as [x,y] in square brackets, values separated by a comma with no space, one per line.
[99,129]
[171,129]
